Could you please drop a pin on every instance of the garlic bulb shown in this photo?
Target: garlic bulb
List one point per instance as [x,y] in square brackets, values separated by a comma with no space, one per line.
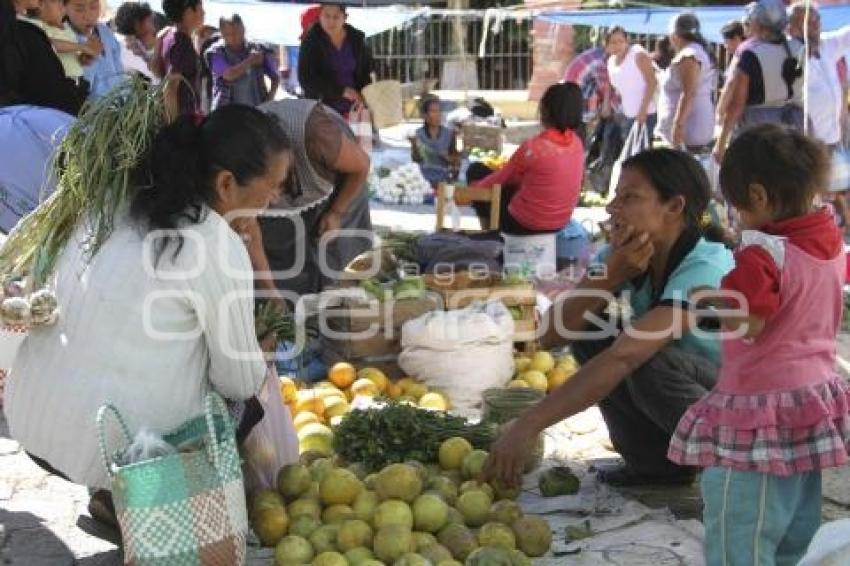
[43,307]
[15,311]
[14,288]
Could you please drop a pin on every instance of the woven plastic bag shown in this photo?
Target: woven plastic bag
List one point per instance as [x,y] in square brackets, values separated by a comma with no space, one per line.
[273,442]
[187,507]
[384,100]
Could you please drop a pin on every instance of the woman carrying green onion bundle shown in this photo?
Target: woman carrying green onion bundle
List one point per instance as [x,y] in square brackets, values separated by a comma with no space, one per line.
[154,286]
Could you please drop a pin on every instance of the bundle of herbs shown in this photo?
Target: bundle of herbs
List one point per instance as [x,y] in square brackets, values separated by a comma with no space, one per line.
[398,432]
[271,319]
[95,166]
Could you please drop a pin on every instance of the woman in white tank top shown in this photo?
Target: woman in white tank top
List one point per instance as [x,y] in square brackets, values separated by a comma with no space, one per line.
[633,76]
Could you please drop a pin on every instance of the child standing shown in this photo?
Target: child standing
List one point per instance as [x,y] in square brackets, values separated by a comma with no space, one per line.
[105,71]
[434,146]
[779,412]
[51,17]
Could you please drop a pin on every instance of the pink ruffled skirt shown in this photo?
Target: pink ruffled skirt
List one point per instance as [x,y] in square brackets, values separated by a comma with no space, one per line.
[781,433]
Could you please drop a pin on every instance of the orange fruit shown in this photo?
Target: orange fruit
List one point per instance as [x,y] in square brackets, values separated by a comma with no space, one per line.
[309,401]
[394,390]
[288,389]
[304,418]
[376,376]
[364,387]
[342,374]
[557,376]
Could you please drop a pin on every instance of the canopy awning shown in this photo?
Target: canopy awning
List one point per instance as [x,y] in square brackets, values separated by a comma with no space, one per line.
[280,22]
[655,21]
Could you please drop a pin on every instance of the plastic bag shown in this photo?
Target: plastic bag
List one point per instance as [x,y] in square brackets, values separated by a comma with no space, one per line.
[272,443]
[360,122]
[830,545]
[146,445]
[636,141]
[461,352]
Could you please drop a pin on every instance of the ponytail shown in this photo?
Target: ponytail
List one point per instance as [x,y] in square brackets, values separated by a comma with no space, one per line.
[169,185]
[176,180]
[686,25]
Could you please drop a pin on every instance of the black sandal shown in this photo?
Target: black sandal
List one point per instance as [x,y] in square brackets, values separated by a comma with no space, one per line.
[102,509]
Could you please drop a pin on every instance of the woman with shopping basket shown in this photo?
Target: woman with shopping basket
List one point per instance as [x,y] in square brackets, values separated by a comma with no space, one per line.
[153,283]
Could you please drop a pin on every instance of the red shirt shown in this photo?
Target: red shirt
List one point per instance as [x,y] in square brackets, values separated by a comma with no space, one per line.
[548,170]
[757,276]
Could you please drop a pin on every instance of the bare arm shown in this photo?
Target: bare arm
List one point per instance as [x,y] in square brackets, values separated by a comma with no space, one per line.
[591,384]
[738,87]
[62,46]
[644,64]
[689,72]
[629,257]
[353,163]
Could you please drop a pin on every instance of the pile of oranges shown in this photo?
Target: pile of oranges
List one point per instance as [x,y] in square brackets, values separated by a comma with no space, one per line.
[318,407]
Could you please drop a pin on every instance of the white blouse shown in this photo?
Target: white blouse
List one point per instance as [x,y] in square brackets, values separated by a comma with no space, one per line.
[629,81]
[150,340]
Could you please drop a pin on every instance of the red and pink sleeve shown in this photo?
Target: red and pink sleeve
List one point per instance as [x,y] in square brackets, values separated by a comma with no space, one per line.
[757,277]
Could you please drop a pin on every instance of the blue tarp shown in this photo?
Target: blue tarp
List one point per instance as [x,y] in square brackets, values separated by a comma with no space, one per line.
[655,21]
[280,22]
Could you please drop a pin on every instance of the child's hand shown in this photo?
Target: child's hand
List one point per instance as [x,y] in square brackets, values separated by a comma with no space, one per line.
[85,59]
[94,45]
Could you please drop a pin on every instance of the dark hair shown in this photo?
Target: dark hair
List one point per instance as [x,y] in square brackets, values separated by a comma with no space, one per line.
[687,26]
[337,4]
[176,176]
[663,53]
[732,30]
[235,20]
[790,166]
[674,173]
[174,9]
[426,102]
[8,21]
[130,14]
[614,30]
[561,107]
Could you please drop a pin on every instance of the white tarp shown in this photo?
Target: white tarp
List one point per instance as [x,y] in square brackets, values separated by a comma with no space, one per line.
[280,23]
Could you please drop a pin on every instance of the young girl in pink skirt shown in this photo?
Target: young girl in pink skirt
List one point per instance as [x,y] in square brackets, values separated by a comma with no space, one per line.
[779,412]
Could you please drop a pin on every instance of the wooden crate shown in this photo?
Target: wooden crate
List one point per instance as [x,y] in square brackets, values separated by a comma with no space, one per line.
[380,326]
[462,289]
[483,136]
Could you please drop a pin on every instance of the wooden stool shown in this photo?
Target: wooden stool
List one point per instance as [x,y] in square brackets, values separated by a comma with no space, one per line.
[493,195]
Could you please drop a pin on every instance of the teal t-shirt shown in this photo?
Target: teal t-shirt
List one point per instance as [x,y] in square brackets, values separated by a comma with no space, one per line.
[703,267]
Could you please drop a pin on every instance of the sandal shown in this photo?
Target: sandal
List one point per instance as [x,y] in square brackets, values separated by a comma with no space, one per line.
[102,509]
[624,476]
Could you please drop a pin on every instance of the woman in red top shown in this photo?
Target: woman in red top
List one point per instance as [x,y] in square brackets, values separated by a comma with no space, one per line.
[542,181]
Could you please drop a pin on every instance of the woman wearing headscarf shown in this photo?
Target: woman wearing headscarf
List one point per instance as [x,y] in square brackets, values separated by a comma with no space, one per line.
[767,83]
[685,109]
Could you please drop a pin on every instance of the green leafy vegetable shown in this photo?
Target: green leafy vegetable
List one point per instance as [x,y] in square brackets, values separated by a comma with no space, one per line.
[399,432]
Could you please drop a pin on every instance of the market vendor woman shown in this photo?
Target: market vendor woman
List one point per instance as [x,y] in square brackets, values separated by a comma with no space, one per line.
[151,321]
[325,194]
[645,377]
